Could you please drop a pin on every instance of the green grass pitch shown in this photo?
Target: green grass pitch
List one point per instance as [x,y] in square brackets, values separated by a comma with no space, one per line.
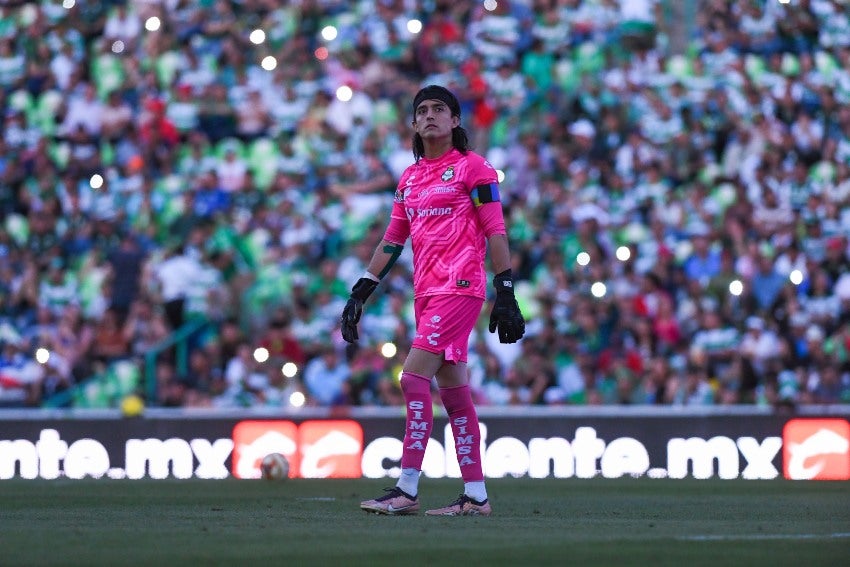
[318,522]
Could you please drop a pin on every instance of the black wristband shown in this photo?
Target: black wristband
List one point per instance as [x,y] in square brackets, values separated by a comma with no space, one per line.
[503,282]
[363,289]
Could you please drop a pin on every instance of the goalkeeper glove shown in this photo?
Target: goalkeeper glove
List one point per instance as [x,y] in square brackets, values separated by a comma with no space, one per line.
[506,315]
[354,308]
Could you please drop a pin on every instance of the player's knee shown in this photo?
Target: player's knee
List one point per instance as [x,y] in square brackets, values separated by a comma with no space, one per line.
[411,383]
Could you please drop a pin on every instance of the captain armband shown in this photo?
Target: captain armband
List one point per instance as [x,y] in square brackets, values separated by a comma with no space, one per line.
[394,250]
[485,193]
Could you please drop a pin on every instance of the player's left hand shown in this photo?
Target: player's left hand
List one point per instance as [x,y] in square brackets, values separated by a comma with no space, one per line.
[506,315]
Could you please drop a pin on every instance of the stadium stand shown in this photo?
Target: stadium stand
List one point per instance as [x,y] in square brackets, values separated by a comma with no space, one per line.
[177,189]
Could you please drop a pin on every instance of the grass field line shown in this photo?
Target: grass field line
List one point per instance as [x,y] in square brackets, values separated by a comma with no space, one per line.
[762,537]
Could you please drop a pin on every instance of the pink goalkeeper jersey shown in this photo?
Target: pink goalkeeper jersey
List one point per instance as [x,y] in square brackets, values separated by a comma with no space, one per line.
[437,200]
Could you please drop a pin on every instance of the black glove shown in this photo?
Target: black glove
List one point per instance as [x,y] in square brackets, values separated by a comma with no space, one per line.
[506,315]
[354,308]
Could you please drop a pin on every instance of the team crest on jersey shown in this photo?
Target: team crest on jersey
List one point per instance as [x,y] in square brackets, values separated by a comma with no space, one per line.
[449,173]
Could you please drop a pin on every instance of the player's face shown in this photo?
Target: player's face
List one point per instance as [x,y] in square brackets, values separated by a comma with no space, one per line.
[433,120]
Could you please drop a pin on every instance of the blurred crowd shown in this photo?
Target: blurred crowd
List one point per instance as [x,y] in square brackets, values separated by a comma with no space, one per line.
[679,211]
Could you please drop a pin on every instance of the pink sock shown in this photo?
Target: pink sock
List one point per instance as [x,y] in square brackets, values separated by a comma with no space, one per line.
[420,419]
[464,421]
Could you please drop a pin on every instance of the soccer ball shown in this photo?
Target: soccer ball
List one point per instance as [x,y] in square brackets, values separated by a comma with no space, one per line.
[274,467]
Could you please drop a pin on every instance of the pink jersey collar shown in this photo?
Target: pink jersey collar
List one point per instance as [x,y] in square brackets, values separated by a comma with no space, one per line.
[436,161]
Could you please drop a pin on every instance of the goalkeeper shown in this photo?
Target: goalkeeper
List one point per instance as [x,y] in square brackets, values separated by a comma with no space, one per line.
[447,202]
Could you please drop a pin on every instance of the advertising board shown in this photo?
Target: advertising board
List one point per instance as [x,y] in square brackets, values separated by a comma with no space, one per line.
[659,445]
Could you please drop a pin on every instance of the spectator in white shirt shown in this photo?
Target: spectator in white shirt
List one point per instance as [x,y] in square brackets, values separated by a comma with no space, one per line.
[63,66]
[326,378]
[122,25]
[86,111]
[232,172]
[175,275]
[760,345]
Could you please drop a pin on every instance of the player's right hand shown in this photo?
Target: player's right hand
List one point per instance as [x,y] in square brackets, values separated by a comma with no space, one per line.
[354,308]
[350,317]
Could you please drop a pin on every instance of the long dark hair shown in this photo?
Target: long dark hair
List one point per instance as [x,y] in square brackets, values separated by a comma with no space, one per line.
[460,142]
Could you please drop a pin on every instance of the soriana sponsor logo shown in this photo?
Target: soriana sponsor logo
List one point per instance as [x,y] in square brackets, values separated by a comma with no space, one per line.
[816,449]
[315,449]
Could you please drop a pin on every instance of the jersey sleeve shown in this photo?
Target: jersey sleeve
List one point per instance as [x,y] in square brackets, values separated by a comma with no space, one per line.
[485,195]
[398,229]
[480,171]
[492,219]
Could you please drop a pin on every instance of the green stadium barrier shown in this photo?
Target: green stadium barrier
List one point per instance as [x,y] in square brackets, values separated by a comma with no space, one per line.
[124,377]
[104,390]
[179,339]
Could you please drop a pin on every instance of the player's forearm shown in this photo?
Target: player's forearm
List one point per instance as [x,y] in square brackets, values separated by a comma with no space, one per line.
[384,258]
[500,253]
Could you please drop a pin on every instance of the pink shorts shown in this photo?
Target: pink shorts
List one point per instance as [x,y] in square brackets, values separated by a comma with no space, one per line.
[444,323]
